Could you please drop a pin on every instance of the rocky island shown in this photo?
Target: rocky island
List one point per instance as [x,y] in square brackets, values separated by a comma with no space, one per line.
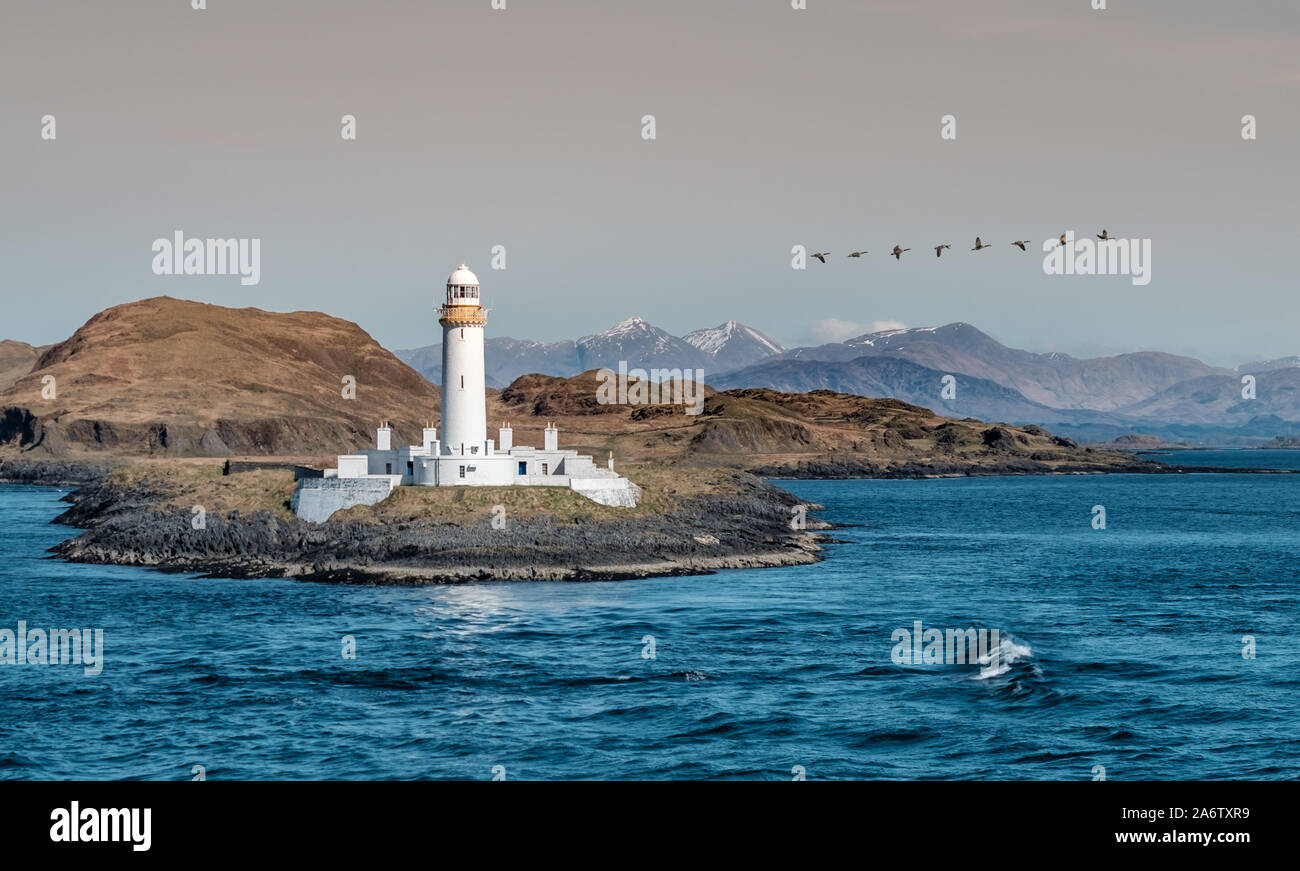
[182,425]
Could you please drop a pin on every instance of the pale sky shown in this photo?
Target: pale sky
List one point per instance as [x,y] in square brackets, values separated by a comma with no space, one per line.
[775,127]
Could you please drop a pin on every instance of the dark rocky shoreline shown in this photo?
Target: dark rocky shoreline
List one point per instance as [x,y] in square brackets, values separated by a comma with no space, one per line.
[54,473]
[126,525]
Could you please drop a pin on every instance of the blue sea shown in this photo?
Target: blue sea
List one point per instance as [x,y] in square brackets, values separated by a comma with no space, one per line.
[1123,648]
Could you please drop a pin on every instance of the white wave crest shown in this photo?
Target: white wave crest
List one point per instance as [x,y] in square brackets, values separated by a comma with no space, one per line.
[998,662]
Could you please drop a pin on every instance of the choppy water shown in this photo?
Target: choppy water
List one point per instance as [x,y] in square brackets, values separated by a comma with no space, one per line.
[1124,651]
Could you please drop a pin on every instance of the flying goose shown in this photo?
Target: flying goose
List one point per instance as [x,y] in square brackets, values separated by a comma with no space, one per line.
[938,250]
[898,252]
[859,253]
[979,246]
[1021,243]
[1104,236]
[1062,239]
[822,256]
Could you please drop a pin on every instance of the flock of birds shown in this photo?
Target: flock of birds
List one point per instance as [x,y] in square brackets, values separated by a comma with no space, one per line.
[980,245]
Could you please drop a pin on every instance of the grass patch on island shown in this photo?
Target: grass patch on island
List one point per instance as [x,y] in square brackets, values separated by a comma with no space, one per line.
[184,484]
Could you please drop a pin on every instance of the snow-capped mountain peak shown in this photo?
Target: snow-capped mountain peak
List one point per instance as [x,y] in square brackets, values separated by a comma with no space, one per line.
[636,323]
[636,329]
[638,343]
[734,345]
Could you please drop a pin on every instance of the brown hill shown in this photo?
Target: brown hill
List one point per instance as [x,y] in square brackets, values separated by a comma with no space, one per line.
[168,376]
[16,360]
[820,434]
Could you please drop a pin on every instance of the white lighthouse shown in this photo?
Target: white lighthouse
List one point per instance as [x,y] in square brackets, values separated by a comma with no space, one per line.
[463,457]
[464,404]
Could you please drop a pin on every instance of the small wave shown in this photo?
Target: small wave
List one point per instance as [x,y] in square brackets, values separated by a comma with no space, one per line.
[874,737]
[897,736]
[998,662]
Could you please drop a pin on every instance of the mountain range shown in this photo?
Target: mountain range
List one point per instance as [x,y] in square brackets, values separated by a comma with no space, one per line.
[634,341]
[1172,397]
[1270,365]
[170,378]
[181,377]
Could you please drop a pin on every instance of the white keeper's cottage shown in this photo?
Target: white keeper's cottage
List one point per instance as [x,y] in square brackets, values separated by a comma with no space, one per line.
[464,456]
